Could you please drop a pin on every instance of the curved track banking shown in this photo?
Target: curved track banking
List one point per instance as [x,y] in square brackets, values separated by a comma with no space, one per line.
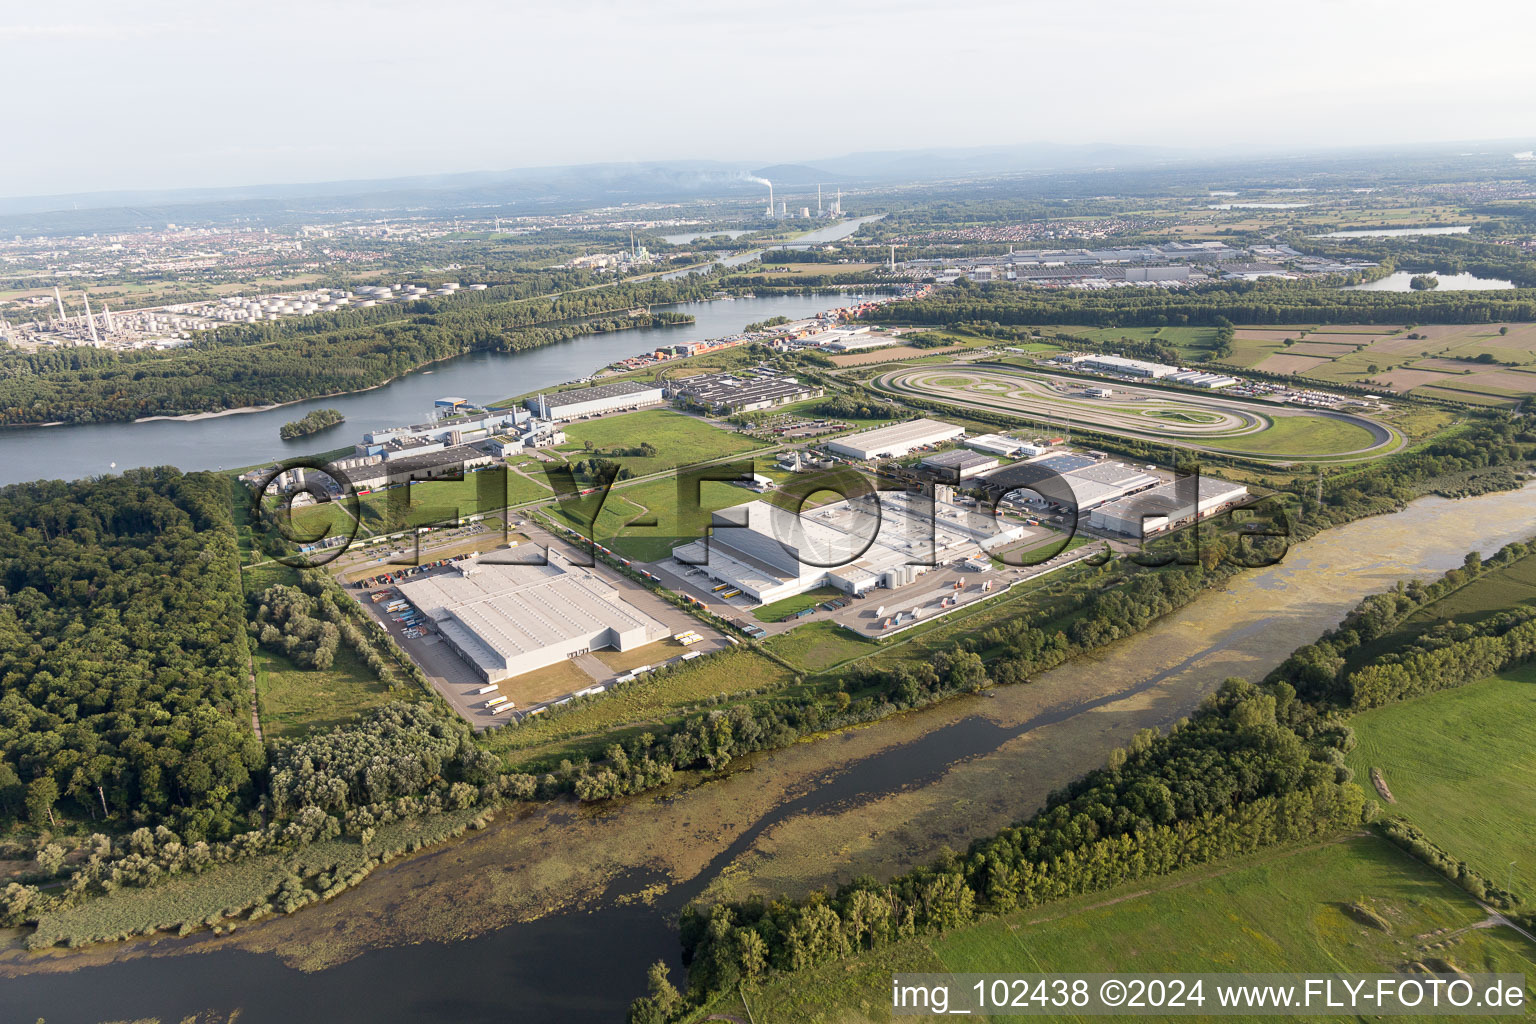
[1197,422]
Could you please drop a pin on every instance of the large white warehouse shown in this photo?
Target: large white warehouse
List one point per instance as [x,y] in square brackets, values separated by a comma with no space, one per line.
[896,440]
[505,620]
[770,553]
[595,401]
[1167,506]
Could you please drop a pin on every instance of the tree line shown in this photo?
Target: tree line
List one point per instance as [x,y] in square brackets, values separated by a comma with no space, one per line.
[1258,302]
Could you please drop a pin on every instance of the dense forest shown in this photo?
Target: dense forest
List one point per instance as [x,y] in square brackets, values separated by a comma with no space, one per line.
[285,362]
[124,687]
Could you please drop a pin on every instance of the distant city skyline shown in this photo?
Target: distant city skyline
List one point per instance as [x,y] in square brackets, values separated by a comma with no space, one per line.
[166,94]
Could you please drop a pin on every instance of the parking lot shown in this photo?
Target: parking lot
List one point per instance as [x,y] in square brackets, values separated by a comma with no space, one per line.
[459,684]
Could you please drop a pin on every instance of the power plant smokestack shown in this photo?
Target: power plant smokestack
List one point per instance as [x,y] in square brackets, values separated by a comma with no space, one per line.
[770,199]
[90,321]
[818,199]
[106,314]
[60,300]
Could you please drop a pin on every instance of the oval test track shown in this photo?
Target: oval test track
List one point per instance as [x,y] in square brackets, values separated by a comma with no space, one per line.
[1187,420]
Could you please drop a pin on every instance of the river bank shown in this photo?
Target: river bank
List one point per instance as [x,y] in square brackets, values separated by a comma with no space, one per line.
[200,441]
[516,900]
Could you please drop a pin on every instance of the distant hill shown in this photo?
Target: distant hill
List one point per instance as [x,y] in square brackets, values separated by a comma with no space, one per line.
[794,174]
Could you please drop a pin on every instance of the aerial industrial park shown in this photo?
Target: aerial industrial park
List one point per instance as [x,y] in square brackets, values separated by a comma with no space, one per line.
[863,567]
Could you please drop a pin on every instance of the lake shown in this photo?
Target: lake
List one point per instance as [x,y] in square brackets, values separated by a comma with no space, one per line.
[553,915]
[1396,232]
[244,439]
[1399,282]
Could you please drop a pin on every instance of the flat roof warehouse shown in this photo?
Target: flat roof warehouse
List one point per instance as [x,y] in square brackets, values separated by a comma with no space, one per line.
[896,440]
[507,620]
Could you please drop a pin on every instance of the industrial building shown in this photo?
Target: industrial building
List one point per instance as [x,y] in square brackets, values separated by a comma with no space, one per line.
[621,396]
[960,465]
[1166,506]
[1087,481]
[770,553]
[506,620]
[1128,367]
[896,440]
[1201,379]
[999,444]
[432,462]
[744,392]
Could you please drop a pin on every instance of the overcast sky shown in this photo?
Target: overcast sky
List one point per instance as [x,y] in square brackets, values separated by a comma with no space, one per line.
[103,94]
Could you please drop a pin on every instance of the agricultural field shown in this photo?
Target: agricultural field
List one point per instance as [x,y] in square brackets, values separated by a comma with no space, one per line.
[1461,765]
[1280,911]
[1436,361]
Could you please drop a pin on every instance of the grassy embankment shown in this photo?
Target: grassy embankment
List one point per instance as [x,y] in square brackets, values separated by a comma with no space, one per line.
[1281,910]
[1458,765]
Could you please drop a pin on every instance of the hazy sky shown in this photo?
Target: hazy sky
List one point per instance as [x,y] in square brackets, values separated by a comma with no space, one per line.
[104,94]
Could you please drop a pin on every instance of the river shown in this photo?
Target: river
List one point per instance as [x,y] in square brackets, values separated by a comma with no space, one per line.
[553,915]
[831,233]
[244,439]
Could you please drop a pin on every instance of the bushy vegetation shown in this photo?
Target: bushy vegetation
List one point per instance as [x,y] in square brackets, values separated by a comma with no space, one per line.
[858,405]
[310,423]
[1232,779]
[1328,672]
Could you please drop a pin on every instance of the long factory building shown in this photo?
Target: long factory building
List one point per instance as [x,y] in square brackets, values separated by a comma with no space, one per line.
[740,392]
[770,553]
[1084,481]
[1166,506]
[621,396]
[506,620]
[896,440]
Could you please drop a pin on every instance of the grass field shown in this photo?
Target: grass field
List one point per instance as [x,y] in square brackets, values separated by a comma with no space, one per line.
[296,700]
[1314,435]
[430,502]
[676,522]
[1461,765]
[1491,592]
[648,702]
[818,646]
[778,611]
[680,440]
[1281,910]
